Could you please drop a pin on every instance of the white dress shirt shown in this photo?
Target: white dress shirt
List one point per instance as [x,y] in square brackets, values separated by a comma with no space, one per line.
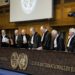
[5,39]
[70,41]
[43,35]
[16,37]
[55,41]
[32,38]
[24,39]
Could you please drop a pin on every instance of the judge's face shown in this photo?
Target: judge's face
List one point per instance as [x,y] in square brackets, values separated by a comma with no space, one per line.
[32,31]
[71,33]
[53,35]
[23,32]
[42,29]
[16,32]
[3,32]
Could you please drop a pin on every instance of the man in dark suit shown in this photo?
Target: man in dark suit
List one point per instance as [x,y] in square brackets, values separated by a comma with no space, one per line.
[16,39]
[35,39]
[71,40]
[58,43]
[4,39]
[24,39]
[46,38]
[20,39]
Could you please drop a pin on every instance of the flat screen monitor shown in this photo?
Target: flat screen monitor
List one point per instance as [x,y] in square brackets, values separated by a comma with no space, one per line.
[10,72]
[27,10]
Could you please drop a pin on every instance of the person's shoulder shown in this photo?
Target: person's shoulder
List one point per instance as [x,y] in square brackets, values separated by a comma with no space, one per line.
[37,34]
[74,37]
[48,33]
[27,35]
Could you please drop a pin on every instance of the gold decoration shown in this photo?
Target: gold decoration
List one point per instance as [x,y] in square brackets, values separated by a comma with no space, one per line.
[23,61]
[14,60]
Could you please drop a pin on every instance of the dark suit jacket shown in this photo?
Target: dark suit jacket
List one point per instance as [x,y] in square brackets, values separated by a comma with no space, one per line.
[60,44]
[5,44]
[36,40]
[71,48]
[24,45]
[19,41]
[28,40]
[46,43]
[0,41]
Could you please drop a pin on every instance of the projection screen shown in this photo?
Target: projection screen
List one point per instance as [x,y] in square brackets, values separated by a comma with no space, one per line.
[26,10]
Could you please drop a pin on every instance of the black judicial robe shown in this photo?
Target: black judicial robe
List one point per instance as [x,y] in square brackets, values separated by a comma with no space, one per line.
[60,44]
[36,41]
[15,45]
[71,48]
[26,44]
[46,43]
[28,40]
[20,41]
[4,44]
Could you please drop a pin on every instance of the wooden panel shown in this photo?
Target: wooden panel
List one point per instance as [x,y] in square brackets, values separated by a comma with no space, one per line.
[66,12]
[58,14]
[36,25]
[67,19]
[69,1]
[60,18]
[39,62]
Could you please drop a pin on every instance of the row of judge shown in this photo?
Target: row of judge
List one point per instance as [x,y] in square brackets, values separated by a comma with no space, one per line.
[23,40]
[14,41]
[59,41]
[48,41]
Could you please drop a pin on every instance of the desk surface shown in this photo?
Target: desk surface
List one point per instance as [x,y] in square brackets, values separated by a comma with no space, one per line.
[38,62]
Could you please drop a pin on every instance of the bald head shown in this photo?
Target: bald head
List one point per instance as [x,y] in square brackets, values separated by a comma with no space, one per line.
[43,29]
[16,32]
[23,31]
[71,31]
[3,32]
[32,30]
[54,33]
